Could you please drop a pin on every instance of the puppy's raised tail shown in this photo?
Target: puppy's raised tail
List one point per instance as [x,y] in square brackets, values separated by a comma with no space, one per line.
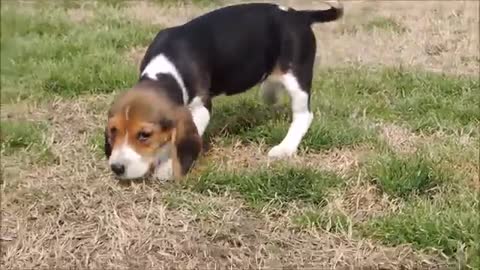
[335,12]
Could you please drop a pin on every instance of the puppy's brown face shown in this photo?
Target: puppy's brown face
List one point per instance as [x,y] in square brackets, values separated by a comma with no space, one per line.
[139,133]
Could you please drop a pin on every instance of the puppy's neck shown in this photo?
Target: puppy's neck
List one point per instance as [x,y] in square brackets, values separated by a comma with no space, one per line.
[164,85]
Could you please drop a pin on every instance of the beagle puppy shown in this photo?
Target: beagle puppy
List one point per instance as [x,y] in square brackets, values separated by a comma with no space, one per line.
[156,127]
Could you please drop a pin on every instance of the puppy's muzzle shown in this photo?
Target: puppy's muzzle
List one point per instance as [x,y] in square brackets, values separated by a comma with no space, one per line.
[118,169]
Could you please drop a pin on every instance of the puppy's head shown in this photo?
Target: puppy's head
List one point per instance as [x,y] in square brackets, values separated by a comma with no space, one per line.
[143,128]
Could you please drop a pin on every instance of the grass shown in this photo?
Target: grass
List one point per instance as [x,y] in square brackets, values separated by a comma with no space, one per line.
[20,135]
[269,125]
[281,185]
[25,137]
[92,52]
[385,23]
[343,98]
[449,223]
[60,205]
[97,142]
[120,3]
[425,101]
[407,176]
[335,222]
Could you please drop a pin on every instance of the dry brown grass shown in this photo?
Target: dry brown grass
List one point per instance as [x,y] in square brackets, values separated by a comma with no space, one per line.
[239,157]
[439,36]
[135,55]
[399,138]
[165,15]
[73,214]
[79,15]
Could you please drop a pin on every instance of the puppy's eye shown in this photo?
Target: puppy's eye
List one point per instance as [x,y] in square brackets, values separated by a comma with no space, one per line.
[143,136]
[113,131]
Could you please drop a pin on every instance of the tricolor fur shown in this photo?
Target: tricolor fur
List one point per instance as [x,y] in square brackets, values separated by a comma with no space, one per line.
[156,127]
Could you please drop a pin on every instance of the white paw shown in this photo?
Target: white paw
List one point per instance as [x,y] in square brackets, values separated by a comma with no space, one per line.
[164,171]
[281,151]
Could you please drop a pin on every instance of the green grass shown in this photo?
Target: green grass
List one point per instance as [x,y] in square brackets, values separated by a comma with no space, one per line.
[97,143]
[18,135]
[405,176]
[375,24]
[344,98]
[227,122]
[280,185]
[268,124]
[449,223]
[326,132]
[385,23]
[335,222]
[425,101]
[46,53]
[458,154]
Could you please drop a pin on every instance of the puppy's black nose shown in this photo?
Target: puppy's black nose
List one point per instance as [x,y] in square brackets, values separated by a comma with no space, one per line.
[118,169]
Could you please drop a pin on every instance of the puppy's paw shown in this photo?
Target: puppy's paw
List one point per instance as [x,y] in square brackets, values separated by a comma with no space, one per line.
[281,151]
[164,171]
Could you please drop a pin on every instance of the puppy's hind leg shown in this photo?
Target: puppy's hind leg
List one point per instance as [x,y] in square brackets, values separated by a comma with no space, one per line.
[296,71]
[302,117]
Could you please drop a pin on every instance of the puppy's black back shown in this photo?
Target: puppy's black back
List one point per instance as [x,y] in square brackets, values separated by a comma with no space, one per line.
[243,44]
[231,49]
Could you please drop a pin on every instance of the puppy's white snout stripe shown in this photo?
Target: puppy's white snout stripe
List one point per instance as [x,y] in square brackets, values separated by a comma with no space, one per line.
[133,164]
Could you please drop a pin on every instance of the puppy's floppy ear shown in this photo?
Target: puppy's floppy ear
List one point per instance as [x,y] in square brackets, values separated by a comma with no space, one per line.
[166,124]
[107,146]
[187,143]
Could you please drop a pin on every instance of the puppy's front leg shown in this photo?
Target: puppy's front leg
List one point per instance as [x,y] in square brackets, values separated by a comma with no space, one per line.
[200,114]
[164,171]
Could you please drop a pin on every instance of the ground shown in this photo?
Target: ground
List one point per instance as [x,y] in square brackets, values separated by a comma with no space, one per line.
[387,176]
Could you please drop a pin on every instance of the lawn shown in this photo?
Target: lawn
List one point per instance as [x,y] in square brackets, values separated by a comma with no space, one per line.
[387,177]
